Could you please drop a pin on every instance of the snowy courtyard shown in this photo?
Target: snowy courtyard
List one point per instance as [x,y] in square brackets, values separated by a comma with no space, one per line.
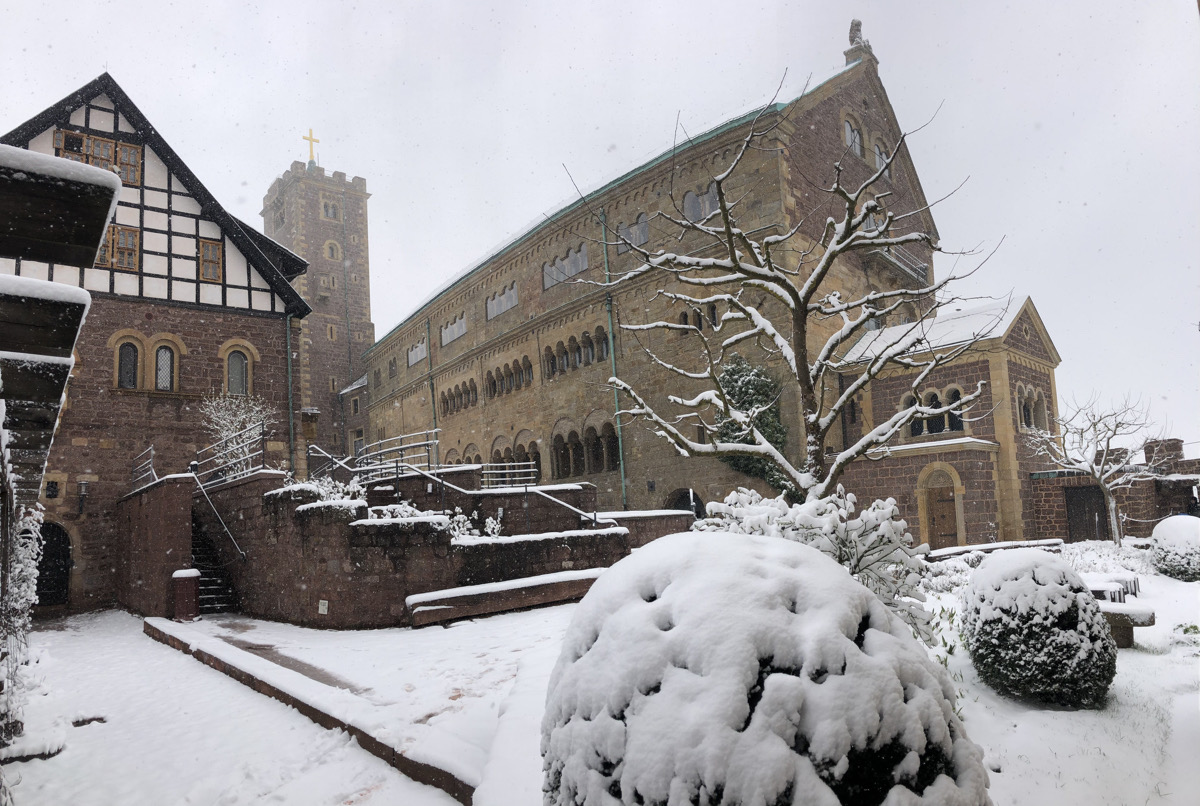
[139,722]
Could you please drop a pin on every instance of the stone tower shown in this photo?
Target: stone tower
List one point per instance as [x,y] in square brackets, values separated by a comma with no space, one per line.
[323,219]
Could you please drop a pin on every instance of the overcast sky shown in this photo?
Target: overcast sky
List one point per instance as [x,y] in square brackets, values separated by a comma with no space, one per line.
[1075,124]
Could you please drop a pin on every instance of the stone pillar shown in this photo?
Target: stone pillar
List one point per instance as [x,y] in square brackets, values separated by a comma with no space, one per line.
[186,584]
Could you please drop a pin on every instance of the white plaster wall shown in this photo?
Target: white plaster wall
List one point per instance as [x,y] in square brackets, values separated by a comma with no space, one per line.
[154,172]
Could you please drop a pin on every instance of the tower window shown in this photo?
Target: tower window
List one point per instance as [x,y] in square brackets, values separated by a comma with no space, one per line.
[853,138]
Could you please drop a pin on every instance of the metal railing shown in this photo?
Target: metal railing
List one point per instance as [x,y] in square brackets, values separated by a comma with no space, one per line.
[383,459]
[143,469]
[234,457]
[508,474]
[322,464]
[903,259]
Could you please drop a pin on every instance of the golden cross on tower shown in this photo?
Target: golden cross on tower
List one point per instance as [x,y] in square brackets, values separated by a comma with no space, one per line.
[311,141]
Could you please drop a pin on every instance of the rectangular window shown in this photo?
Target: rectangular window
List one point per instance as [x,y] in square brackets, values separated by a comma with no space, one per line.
[358,442]
[502,301]
[101,152]
[454,329]
[378,378]
[354,405]
[564,268]
[333,333]
[120,249]
[210,260]
[392,368]
[417,352]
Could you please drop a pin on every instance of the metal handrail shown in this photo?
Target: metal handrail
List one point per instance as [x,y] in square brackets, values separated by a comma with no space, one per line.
[220,520]
[508,474]
[234,457]
[143,472]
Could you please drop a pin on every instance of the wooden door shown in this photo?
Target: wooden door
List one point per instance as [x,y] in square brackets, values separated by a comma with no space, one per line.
[54,570]
[1087,517]
[943,517]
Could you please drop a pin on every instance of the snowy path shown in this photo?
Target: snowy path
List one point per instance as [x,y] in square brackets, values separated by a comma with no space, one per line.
[177,732]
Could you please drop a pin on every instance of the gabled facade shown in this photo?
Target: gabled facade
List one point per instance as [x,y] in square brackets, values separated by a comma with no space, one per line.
[187,302]
[961,479]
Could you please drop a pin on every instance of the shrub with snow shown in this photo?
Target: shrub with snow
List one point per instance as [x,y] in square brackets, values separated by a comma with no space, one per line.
[1034,630]
[715,668]
[872,544]
[1176,548]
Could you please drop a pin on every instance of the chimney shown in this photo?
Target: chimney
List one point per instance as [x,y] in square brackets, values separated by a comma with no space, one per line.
[860,49]
[1163,453]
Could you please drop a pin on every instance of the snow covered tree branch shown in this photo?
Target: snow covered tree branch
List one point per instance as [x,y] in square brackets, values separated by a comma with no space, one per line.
[1099,442]
[777,292]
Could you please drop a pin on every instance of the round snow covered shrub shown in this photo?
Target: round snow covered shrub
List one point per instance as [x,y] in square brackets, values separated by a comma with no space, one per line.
[714,668]
[1176,549]
[1034,630]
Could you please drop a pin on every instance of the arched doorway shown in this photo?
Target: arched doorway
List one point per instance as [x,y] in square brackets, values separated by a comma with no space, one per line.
[687,500]
[940,503]
[54,570]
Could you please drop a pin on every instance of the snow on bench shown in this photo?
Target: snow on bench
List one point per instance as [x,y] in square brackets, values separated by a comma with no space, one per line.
[954,551]
[1127,581]
[1123,617]
[451,604]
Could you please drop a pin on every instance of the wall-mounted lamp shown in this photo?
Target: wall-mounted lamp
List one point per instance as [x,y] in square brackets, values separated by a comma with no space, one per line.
[83,493]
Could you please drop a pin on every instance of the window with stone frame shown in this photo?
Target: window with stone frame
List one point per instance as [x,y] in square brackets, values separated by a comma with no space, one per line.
[164,369]
[210,260]
[354,405]
[127,366]
[853,138]
[881,159]
[392,367]
[237,373]
[635,234]
[699,207]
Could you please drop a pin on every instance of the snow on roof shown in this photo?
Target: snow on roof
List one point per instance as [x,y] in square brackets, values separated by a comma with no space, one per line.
[19,159]
[14,286]
[956,442]
[953,325]
[359,384]
[567,205]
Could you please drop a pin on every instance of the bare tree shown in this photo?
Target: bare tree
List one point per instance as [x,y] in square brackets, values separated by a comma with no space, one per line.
[793,272]
[1100,443]
[228,419]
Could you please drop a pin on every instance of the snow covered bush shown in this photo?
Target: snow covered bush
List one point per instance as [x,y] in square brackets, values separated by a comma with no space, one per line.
[1176,548]
[873,545]
[712,668]
[1034,630]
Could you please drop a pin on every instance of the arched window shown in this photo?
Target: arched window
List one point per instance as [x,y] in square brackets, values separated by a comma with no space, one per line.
[712,314]
[333,251]
[474,392]
[937,423]
[575,352]
[589,349]
[612,451]
[683,319]
[527,369]
[602,342]
[956,418]
[853,138]
[563,362]
[1040,417]
[238,373]
[551,364]
[164,369]
[881,160]
[593,450]
[560,459]
[576,449]
[518,376]
[536,457]
[1027,414]
[490,385]
[916,426]
[127,366]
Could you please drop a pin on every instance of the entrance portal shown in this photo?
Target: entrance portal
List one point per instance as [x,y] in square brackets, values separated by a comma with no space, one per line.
[1087,516]
[54,570]
[941,509]
[688,500]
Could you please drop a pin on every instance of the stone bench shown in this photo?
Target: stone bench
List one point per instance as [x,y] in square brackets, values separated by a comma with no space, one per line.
[1122,618]
[453,604]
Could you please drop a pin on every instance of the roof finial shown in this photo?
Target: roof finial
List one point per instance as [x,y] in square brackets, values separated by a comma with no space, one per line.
[860,48]
[856,32]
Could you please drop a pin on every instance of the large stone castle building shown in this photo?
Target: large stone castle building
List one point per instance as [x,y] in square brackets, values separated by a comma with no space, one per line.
[509,360]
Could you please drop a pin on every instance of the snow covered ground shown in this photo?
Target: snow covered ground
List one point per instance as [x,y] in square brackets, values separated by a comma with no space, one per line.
[177,732]
[169,730]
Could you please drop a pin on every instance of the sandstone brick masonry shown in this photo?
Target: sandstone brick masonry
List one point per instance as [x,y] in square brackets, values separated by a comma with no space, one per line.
[154,531]
[102,428]
[295,560]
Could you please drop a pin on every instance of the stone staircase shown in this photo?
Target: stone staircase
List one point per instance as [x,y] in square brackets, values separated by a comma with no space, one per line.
[216,592]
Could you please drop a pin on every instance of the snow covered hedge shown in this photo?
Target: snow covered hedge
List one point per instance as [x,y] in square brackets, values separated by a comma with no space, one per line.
[1176,548]
[726,668]
[873,544]
[1034,630]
